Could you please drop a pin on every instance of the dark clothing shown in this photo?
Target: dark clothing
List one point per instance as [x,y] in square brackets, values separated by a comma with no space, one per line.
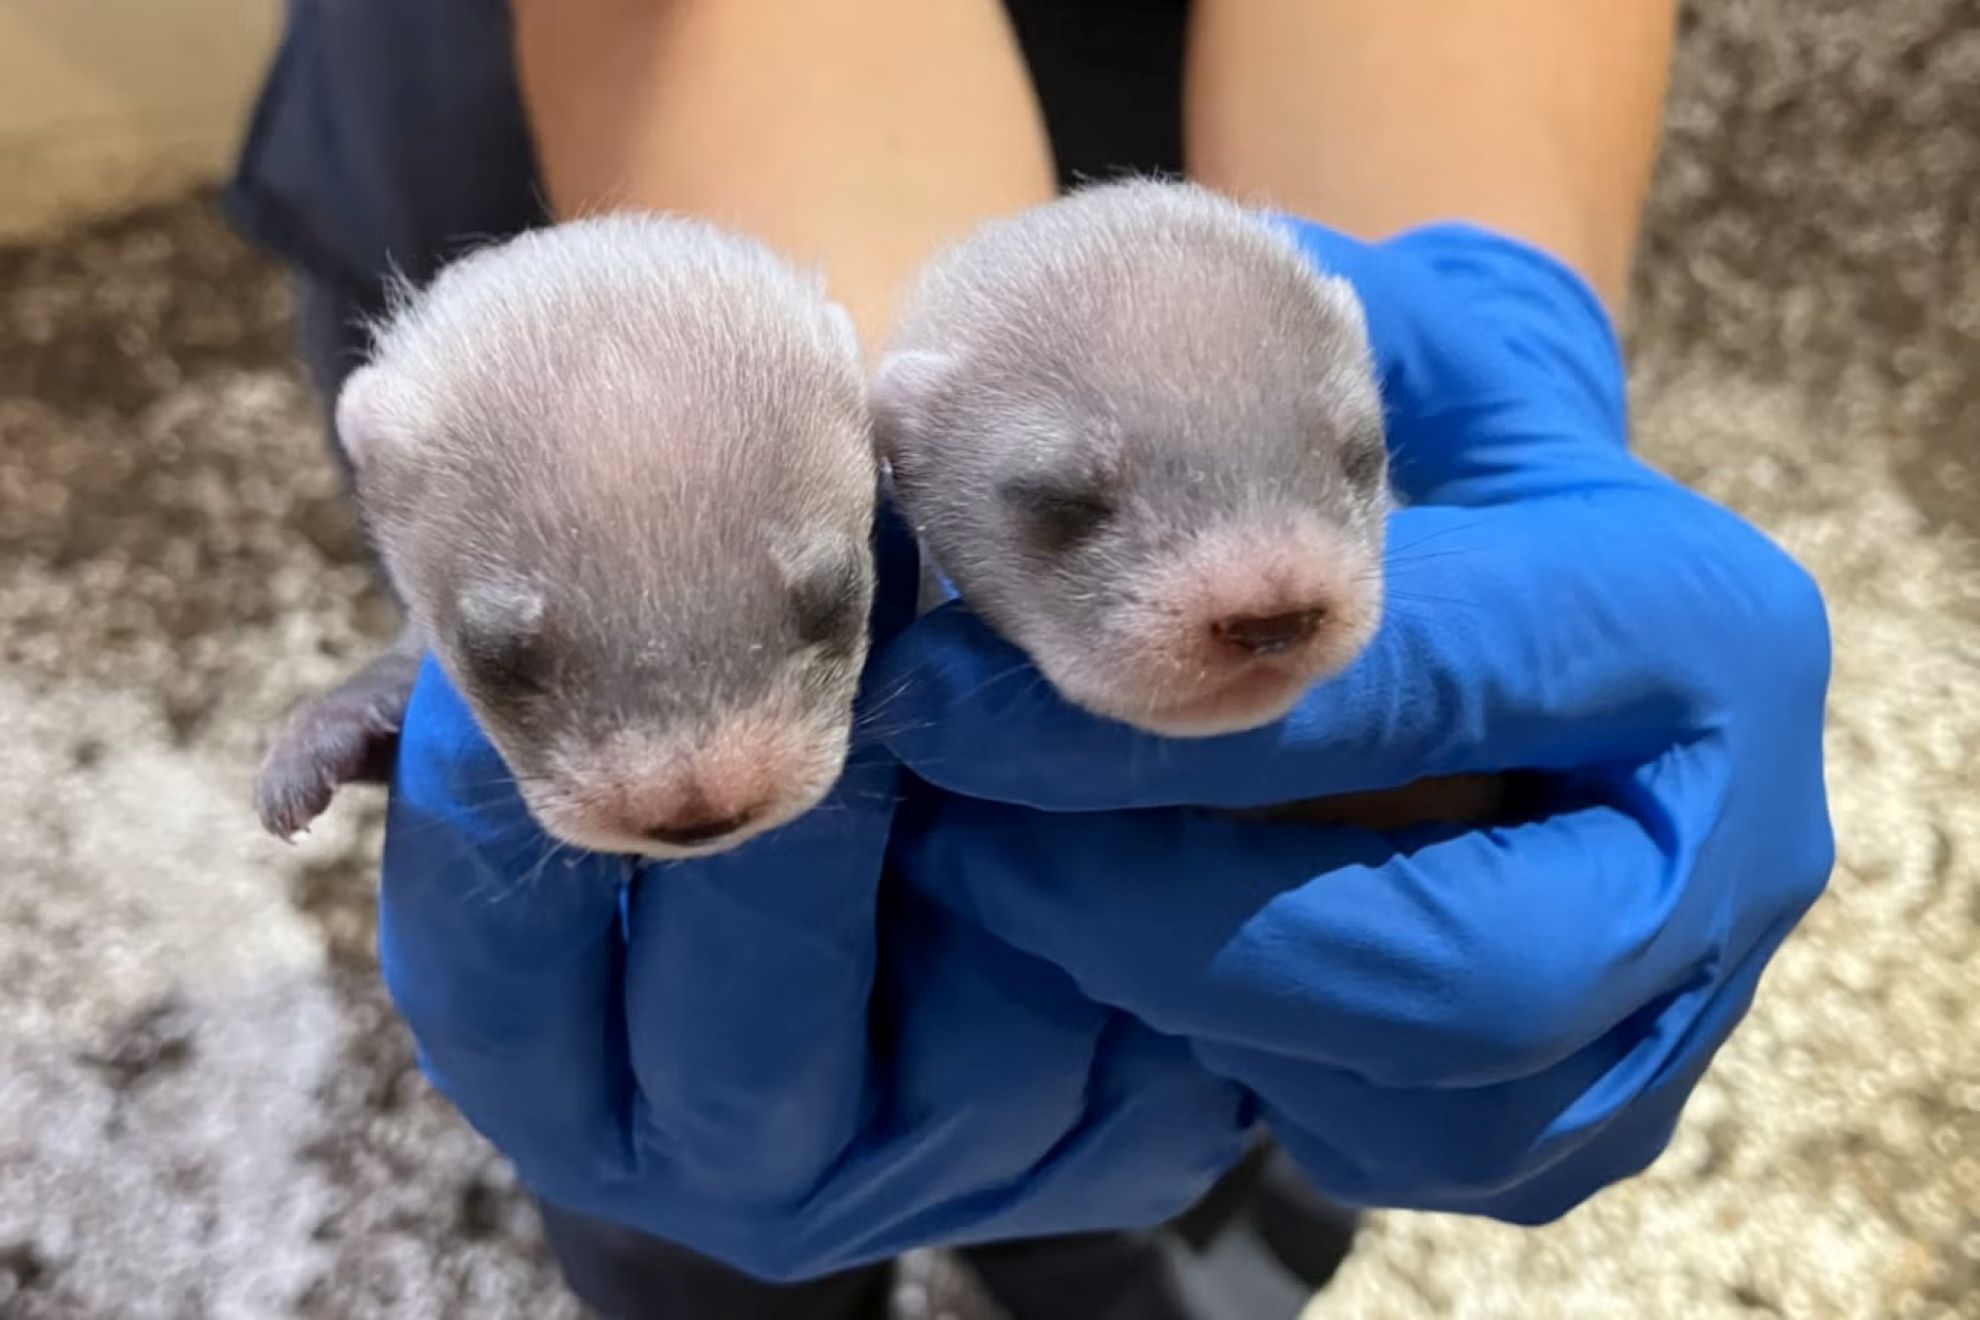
[625,1275]
[390,136]
[1217,1262]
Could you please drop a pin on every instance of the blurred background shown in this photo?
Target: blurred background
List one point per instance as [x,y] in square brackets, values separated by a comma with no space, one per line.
[206,1105]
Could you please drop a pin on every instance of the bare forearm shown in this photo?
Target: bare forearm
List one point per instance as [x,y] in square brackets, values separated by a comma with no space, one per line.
[853,134]
[1536,117]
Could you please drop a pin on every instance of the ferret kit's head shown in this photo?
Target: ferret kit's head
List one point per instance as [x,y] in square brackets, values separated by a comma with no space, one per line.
[621,470]
[1142,437]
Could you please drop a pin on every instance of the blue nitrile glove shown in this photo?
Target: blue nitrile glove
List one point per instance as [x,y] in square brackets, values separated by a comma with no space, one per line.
[1500,1021]
[720,1052]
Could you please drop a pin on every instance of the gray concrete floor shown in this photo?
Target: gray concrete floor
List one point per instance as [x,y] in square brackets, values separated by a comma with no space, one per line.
[207,1109]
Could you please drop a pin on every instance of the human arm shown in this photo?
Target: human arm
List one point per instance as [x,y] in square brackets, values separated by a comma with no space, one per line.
[1537,118]
[854,136]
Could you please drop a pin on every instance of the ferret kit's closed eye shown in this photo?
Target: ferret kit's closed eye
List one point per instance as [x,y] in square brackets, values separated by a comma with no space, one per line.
[621,473]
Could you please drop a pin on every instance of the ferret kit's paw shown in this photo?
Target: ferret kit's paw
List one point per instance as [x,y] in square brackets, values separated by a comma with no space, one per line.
[347,736]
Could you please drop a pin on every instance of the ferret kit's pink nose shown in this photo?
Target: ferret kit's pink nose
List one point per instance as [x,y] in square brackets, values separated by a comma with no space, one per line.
[1269,635]
[699,825]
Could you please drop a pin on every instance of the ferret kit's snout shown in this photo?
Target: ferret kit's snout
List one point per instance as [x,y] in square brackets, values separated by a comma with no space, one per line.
[693,790]
[1256,638]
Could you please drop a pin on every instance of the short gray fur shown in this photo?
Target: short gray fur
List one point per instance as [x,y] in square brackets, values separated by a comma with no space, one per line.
[1077,390]
[621,472]
[1074,392]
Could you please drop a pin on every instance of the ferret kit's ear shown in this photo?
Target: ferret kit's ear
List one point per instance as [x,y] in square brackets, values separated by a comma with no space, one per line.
[1345,302]
[372,416]
[903,396]
[842,326]
[500,605]
[498,625]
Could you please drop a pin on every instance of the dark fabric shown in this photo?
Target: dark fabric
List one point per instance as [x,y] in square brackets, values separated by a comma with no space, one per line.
[625,1275]
[330,341]
[1219,1261]
[1109,80]
[1306,1233]
[1091,1276]
[1211,1264]
[388,136]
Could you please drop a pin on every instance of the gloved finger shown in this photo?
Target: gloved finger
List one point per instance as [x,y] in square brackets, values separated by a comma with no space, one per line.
[502,951]
[1548,636]
[1434,959]
[747,996]
[747,1001]
[1048,1114]
[1155,1132]
[1526,1150]
[1495,360]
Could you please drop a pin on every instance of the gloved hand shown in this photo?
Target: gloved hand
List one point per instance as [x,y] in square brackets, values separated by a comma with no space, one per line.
[1499,1021]
[766,1056]
[718,1053]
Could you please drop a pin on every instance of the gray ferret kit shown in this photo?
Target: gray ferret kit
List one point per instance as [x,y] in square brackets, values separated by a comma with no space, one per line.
[620,472]
[1142,437]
